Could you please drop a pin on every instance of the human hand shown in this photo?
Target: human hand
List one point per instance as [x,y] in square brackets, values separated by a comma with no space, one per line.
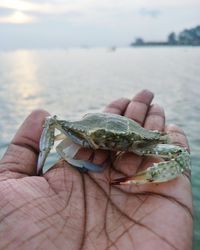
[66,209]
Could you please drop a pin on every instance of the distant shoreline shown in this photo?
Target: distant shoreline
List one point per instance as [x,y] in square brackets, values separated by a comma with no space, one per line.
[187,37]
[160,44]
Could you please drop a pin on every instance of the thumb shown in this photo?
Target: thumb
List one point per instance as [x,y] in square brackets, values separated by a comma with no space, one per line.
[22,153]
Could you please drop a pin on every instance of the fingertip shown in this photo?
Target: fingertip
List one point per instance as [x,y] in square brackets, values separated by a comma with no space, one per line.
[117,106]
[31,129]
[171,126]
[37,116]
[144,96]
[39,113]
[157,108]
[139,106]
[155,119]
[174,128]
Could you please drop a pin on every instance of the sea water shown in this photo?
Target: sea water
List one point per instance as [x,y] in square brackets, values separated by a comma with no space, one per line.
[72,82]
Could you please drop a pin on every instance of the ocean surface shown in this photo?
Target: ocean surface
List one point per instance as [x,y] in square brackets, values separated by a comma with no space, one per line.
[71,82]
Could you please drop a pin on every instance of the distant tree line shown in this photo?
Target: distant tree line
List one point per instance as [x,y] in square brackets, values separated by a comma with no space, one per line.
[185,37]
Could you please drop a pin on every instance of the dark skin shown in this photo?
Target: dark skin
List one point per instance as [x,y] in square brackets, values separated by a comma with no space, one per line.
[67,209]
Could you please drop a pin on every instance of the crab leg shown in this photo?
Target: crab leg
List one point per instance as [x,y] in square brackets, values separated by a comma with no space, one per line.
[178,160]
[67,150]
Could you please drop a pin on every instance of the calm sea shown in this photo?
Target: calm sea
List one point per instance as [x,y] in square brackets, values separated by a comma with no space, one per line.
[72,82]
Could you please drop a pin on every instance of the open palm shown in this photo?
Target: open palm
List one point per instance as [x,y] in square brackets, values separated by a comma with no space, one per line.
[68,209]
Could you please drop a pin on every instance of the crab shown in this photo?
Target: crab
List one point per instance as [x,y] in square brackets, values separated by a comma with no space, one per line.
[114,133]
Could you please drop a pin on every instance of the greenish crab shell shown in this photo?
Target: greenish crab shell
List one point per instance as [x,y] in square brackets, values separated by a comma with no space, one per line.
[112,132]
[117,133]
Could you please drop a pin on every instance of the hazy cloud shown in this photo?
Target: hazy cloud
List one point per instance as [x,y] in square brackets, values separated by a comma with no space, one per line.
[17,17]
[5,11]
[154,13]
[49,7]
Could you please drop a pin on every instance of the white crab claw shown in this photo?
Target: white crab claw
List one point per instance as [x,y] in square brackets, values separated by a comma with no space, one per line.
[67,150]
[46,142]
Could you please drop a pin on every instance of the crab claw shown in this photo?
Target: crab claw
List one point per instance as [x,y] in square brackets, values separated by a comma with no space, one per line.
[46,142]
[140,178]
[67,150]
[158,172]
[178,162]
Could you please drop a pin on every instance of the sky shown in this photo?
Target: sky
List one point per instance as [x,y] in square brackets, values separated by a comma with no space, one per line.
[99,23]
